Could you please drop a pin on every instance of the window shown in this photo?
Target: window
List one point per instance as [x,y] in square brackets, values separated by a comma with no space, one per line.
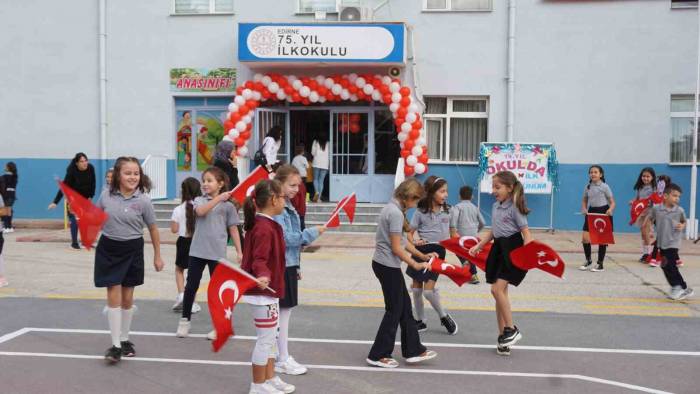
[455,127]
[682,127]
[458,5]
[194,7]
[684,3]
[311,6]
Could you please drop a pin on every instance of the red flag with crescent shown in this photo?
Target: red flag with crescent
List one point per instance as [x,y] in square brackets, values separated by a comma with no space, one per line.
[459,275]
[346,204]
[600,229]
[226,287]
[461,245]
[90,218]
[638,206]
[538,255]
[243,189]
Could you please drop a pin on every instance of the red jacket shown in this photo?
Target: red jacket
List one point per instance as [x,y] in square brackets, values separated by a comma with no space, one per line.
[299,201]
[263,255]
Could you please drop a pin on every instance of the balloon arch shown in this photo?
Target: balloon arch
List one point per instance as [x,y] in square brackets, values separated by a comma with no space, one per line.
[334,88]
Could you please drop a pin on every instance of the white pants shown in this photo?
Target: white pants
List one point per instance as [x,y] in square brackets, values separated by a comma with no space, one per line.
[266,327]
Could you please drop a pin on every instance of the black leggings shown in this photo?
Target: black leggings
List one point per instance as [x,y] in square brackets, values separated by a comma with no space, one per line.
[194,276]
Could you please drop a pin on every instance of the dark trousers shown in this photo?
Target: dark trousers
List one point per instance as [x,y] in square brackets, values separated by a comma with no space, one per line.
[673,275]
[194,276]
[397,306]
[73,229]
[7,220]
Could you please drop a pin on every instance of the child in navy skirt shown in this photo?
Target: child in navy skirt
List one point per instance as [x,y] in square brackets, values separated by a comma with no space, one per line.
[597,199]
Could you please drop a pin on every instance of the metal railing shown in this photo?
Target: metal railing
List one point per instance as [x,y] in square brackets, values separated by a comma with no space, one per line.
[156,168]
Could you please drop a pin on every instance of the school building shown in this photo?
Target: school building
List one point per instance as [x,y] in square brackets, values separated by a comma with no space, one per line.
[606,82]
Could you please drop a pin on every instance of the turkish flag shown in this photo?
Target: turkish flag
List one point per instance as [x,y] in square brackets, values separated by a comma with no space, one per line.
[459,275]
[90,218]
[346,204]
[638,206]
[600,229]
[243,189]
[226,287]
[461,245]
[657,198]
[538,255]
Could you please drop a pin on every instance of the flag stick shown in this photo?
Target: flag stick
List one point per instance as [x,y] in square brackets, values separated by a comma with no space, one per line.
[237,269]
[340,208]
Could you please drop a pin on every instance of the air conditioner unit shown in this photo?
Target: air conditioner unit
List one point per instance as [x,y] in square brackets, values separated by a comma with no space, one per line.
[354,13]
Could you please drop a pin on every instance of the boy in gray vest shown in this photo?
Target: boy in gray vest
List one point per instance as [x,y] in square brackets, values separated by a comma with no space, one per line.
[670,222]
[466,220]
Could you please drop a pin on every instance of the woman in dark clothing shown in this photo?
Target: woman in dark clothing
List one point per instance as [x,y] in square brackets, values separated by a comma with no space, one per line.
[80,176]
[9,178]
[225,159]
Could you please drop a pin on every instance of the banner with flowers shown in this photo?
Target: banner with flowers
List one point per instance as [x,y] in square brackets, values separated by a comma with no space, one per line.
[535,165]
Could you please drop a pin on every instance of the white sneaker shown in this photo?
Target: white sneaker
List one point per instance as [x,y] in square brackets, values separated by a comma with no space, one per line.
[264,388]
[177,306]
[280,385]
[686,293]
[7,231]
[183,328]
[675,293]
[196,308]
[211,335]
[427,355]
[290,367]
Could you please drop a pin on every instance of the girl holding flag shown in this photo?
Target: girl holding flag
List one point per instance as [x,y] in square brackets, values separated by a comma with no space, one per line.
[119,254]
[263,257]
[509,231]
[644,188]
[294,239]
[597,198]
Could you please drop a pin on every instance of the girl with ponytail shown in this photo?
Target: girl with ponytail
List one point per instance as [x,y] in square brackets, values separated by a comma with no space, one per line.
[182,223]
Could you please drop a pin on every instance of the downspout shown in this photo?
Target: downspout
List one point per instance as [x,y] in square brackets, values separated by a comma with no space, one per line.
[510,94]
[103,79]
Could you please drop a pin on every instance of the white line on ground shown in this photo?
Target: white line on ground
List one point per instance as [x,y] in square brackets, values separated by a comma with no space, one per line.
[362,369]
[365,342]
[14,334]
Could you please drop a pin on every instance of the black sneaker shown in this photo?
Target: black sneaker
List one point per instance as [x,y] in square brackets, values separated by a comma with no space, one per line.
[449,324]
[113,355]
[598,268]
[128,349]
[510,337]
[644,257]
[585,267]
[503,350]
[421,326]
[75,246]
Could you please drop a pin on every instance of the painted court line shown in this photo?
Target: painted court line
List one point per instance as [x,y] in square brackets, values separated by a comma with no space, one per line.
[362,369]
[25,330]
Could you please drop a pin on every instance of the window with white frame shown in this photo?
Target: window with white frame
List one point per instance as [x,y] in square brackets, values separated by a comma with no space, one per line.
[682,127]
[457,5]
[311,6]
[195,7]
[684,3]
[455,127]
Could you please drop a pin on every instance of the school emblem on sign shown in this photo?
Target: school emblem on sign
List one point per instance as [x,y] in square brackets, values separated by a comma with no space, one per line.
[262,42]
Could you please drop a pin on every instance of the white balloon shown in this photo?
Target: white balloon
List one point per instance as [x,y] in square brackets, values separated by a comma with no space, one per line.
[394,87]
[232,108]
[376,95]
[226,138]
[360,82]
[345,94]
[297,84]
[336,89]
[386,80]
[402,136]
[421,141]
[406,127]
[266,80]
[281,95]
[320,79]
[273,87]
[417,150]
[353,98]
[411,160]
[242,151]
[401,144]
[240,125]
[328,83]
[304,91]
[352,77]
[322,99]
[239,100]
[413,108]
[368,89]
[247,94]
[396,97]
[313,97]
[291,78]
[411,117]
[393,107]
[233,134]
[419,168]
[257,77]
[257,96]
[247,119]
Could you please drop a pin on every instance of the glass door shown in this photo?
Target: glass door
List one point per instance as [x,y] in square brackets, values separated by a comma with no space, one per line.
[265,119]
[351,164]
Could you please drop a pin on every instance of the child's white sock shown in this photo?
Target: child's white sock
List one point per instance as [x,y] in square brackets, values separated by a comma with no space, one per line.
[114,317]
[2,266]
[283,336]
[418,303]
[127,315]
[433,297]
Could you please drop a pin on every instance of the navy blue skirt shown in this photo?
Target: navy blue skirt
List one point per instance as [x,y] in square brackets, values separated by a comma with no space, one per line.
[119,262]
[498,264]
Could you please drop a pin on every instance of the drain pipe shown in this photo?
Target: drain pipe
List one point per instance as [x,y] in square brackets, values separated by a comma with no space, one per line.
[510,119]
[103,79]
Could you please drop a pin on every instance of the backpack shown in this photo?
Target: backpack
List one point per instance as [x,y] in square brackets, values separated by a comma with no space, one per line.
[259,157]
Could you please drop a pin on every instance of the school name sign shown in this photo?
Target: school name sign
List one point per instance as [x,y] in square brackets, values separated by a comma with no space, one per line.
[535,165]
[322,43]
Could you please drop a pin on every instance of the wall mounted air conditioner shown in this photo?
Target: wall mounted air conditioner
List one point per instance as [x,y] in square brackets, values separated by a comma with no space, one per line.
[354,13]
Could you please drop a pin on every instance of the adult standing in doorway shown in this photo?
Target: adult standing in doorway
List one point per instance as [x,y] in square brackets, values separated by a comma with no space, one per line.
[319,150]
[271,145]
[225,159]
[9,178]
[80,176]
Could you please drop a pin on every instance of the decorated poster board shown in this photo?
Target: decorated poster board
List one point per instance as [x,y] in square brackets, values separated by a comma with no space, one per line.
[535,165]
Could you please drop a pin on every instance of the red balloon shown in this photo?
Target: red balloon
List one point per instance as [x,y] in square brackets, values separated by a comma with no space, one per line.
[386,98]
[355,128]
[252,104]
[329,96]
[249,84]
[355,117]
[322,90]
[408,170]
[266,94]
[296,96]
[402,112]
[405,102]
[425,150]
[352,89]
[417,125]
[377,83]
[228,125]
[239,141]
[423,159]
[409,144]
[245,135]
[288,90]
[239,90]
[344,83]
[344,127]
[243,109]
[413,134]
[313,85]
[383,89]
[306,101]
[405,153]
[405,91]
[258,86]
[235,117]
[399,121]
